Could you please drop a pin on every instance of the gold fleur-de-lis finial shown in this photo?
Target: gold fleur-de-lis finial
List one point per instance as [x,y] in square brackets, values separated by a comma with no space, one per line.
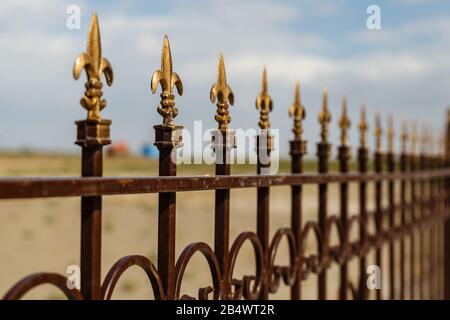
[390,134]
[344,123]
[221,92]
[324,118]
[431,140]
[404,137]
[414,139]
[442,144]
[264,103]
[95,65]
[297,112]
[424,139]
[378,132]
[168,79]
[363,127]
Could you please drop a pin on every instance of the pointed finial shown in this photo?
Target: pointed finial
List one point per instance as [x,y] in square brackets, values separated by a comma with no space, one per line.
[324,118]
[94,65]
[424,139]
[297,112]
[167,79]
[344,123]
[221,92]
[378,132]
[442,144]
[414,139]
[404,137]
[390,134]
[363,127]
[431,140]
[264,103]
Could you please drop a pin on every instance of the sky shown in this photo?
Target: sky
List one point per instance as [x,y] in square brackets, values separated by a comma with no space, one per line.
[402,69]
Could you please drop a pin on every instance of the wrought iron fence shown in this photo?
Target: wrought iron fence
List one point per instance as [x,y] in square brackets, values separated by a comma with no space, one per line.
[419,219]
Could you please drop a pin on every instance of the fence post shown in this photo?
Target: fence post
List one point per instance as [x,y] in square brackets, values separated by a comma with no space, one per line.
[223,142]
[92,135]
[432,214]
[263,149]
[447,219]
[412,167]
[403,169]
[378,156]
[297,150]
[362,166]
[390,158]
[167,139]
[323,153]
[422,187]
[344,157]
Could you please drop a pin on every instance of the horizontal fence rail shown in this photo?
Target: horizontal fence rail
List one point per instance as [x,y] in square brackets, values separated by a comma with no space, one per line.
[410,238]
[19,188]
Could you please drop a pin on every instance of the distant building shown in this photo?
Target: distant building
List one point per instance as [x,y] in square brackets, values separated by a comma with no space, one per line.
[149,151]
[120,148]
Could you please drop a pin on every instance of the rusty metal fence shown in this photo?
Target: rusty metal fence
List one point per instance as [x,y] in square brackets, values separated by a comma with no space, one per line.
[413,228]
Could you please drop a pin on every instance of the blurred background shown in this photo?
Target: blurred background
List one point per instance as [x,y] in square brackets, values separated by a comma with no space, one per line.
[400,69]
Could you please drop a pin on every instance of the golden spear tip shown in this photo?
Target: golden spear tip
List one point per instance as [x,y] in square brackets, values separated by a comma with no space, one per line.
[94,48]
[264,81]
[344,105]
[166,58]
[325,98]
[390,133]
[221,75]
[297,92]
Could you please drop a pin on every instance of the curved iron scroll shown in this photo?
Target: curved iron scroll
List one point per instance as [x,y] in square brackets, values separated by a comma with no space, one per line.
[124,264]
[36,279]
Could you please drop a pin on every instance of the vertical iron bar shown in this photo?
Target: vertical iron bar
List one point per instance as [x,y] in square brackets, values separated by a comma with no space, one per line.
[92,135]
[362,164]
[392,214]
[263,147]
[222,210]
[344,156]
[379,215]
[422,253]
[403,168]
[297,150]
[433,210]
[323,151]
[167,138]
[413,220]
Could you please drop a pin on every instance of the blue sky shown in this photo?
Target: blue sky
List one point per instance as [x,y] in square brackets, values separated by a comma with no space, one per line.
[402,69]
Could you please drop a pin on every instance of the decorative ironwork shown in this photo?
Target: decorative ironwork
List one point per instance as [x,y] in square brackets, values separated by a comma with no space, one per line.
[390,134]
[410,217]
[404,137]
[222,93]
[344,123]
[297,112]
[94,65]
[363,127]
[324,118]
[167,79]
[378,132]
[414,139]
[264,103]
